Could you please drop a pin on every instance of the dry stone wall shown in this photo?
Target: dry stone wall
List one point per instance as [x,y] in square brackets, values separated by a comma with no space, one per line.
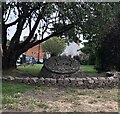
[86,82]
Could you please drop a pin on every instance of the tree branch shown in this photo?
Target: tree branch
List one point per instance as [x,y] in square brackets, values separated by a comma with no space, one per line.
[13,23]
[8,14]
[16,37]
[32,31]
[24,15]
[30,45]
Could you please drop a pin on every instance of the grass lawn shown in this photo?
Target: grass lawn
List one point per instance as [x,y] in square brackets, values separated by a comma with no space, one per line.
[21,70]
[21,97]
[35,69]
[90,70]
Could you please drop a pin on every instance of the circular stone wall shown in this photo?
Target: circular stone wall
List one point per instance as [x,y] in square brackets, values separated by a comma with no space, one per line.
[60,67]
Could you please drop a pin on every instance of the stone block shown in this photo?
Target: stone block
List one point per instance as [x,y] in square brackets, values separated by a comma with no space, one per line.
[53,81]
[31,81]
[35,79]
[41,81]
[116,74]
[80,83]
[5,79]
[86,81]
[61,81]
[73,81]
[102,82]
[109,74]
[108,82]
[10,78]
[96,80]
[18,79]
[110,79]
[47,81]
[66,82]
[90,81]
[116,79]
[26,80]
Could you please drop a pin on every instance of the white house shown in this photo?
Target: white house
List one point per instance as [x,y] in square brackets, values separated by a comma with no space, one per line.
[73,49]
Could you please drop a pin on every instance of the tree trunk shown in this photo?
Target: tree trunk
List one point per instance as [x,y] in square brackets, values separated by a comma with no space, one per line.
[9,61]
[52,54]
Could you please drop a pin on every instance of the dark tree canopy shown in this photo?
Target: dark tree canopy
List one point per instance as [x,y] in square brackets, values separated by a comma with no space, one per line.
[66,19]
[109,52]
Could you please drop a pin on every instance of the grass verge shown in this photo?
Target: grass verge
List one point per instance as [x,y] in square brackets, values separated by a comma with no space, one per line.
[35,69]
[20,97]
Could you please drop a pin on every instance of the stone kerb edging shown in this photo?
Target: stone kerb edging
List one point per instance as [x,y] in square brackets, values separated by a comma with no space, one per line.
[87,82]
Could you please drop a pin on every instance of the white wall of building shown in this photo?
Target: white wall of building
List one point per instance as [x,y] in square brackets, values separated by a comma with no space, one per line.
[72,49]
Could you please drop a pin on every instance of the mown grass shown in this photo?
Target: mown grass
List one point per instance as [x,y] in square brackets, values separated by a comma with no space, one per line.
[17,96]
[90,70]
[35,69]
[12,91]
[98,93]
[24,70]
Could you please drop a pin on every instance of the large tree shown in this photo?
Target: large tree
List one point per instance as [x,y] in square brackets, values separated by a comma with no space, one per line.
[44,16]
[56,19]
[108,53]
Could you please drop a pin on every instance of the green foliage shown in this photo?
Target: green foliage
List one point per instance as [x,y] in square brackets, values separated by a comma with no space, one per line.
[84,58]
[98,62]
[89,52]
[77,58]
[94,19]
[54,45]
[108,55]
[92,59]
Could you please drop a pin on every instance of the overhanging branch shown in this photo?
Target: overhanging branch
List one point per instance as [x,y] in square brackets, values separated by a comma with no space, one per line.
[30,45]
[32,31]
[13,23]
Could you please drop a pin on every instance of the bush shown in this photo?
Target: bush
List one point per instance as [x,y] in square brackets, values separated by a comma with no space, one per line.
[77,58]
[84,59]
[54,46]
